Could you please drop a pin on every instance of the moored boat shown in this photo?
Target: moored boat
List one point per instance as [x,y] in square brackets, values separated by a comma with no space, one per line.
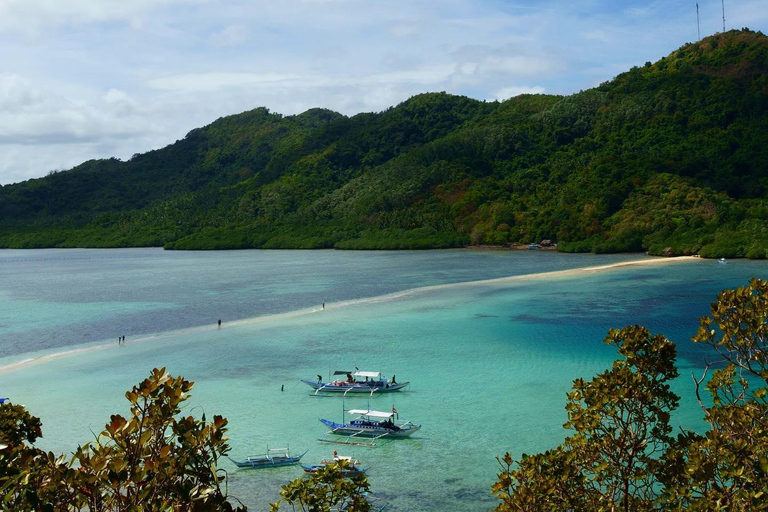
[355,382]
[348,466]
[368,424]
[274,457]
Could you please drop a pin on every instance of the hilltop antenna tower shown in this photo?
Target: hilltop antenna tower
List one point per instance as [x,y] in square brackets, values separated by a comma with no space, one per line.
[698,24]
[722,2]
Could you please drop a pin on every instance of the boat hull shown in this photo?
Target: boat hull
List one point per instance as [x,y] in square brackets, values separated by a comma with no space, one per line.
[358,387]
[266,462]
[375,430]
[344,472]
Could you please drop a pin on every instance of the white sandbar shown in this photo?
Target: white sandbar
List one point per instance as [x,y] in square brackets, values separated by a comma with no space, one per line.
[369,300]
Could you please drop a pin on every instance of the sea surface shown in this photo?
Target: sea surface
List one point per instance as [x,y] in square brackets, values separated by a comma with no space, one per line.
[490,340]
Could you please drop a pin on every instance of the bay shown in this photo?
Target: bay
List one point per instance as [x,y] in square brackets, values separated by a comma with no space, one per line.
[489,362]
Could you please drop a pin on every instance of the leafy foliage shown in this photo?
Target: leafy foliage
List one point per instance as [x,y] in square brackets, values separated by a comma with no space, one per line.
[727,468]
[326,490]
[622,455]
[620,421]
[670,155]
[152,460]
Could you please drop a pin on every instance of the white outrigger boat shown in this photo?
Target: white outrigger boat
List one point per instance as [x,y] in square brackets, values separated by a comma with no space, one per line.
[368,424]
[355,382]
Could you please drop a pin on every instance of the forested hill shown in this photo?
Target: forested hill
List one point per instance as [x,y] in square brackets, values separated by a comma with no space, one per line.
[671,154]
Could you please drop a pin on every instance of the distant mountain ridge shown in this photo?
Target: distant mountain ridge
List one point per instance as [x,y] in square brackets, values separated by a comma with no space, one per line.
[671,156]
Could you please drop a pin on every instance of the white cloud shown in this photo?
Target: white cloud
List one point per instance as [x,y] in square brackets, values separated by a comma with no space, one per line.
[33,16]
[41,130]
[217,80]
[29,115]
[519,65]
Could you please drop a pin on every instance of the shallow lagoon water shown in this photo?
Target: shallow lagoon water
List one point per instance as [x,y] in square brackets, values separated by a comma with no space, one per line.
[489,363]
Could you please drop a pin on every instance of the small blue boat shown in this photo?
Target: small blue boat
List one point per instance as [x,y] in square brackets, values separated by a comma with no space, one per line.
[274,457]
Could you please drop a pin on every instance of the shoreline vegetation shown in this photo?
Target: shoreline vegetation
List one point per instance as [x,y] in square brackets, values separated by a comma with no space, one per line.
[668,158]
[557,274]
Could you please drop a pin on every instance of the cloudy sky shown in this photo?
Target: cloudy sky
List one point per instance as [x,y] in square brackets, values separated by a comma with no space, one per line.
[82,79]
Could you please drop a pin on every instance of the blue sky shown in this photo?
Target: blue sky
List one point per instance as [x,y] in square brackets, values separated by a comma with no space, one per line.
[82,79]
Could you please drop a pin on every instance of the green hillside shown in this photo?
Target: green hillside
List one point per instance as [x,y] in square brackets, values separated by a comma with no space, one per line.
[669,155]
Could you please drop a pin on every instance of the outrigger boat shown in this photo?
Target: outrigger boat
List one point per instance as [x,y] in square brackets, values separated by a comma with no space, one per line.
[273,458]
[368,424]
[356,382]
[349,467]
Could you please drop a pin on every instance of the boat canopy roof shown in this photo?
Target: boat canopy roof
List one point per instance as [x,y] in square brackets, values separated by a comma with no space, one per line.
[370,375]
[358,373]
[372,414]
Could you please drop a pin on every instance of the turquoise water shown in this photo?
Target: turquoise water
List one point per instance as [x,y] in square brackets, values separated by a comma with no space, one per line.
[489,363]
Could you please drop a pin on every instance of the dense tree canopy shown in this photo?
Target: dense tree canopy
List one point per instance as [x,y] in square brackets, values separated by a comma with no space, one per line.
[671,154]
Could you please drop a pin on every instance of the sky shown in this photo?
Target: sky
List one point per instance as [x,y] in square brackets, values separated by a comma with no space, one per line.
[84,79]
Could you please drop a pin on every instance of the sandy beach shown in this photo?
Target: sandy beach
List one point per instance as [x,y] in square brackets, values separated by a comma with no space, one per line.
[329,306]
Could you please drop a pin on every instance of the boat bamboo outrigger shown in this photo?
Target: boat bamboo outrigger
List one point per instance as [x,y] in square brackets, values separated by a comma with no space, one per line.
[274,457]
[355,382]
[368,424]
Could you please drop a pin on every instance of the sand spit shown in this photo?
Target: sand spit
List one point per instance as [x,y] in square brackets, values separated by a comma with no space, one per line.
[329,306]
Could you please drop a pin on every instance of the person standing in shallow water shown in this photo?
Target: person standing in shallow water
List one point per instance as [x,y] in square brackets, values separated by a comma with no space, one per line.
[219,322]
